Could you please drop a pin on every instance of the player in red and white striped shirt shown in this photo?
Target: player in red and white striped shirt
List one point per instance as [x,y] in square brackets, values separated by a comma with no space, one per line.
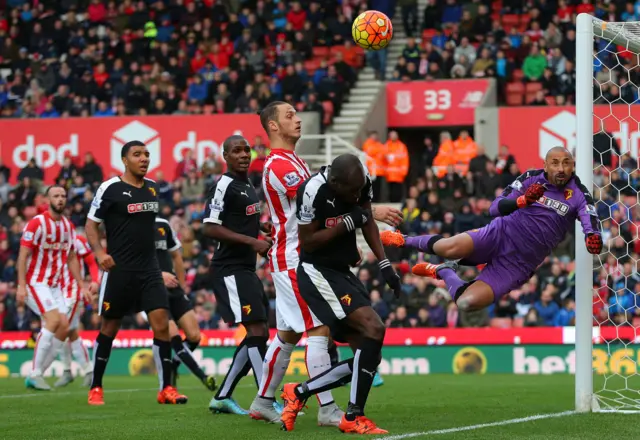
[283,173]
[71,291]
[47,245]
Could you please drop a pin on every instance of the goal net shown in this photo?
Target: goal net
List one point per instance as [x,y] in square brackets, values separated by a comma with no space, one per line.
[607,135]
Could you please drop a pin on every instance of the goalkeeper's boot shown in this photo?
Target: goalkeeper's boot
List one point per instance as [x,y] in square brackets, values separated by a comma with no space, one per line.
[226,406]
[378,381]
[96,396]
[361,425]
[64,380]
[264,409]
[210,383]
[329,415]
[170,396]
[37,383]
[292,406]
[392,238]
[431,270]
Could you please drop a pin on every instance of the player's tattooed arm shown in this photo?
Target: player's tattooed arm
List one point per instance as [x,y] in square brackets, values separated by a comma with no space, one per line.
[221,233]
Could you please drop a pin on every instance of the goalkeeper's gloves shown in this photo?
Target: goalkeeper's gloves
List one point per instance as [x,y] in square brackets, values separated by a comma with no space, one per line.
[357,218]
[531,195]
[594,243]
[390,277]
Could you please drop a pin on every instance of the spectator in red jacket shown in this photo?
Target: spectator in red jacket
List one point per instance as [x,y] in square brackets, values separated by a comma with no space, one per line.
[297,16]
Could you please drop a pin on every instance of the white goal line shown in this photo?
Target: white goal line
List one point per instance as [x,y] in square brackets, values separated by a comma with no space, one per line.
[483,425]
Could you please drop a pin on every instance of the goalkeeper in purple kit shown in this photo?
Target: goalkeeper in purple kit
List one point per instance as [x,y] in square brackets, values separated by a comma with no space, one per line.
[532,215]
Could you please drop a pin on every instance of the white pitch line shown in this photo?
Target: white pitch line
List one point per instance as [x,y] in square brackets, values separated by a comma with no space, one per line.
[483,425]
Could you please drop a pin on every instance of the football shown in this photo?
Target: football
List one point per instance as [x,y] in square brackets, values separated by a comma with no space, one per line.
[372,30]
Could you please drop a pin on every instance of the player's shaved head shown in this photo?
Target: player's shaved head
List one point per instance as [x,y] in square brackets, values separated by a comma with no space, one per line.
[347,177]
[231,141]
[559,166]
[347,167]
[556,151]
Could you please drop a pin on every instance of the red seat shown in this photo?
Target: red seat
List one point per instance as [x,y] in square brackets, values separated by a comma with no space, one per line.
[515,87]
[311,66]
[515,99]
[533,87]
[551,100]
[525,18]
[428,34]
[510,19]
[320,52]
[518,321]
[636,321]
[328,112]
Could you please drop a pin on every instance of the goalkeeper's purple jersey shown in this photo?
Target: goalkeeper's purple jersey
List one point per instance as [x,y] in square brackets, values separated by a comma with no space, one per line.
[536,230]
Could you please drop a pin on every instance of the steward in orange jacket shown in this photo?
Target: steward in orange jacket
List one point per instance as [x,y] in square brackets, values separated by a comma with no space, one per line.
[375,151]
[397,159]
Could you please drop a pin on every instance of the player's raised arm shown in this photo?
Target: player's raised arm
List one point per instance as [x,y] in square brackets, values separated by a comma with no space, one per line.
[588,217]
[524,191]
[216,215]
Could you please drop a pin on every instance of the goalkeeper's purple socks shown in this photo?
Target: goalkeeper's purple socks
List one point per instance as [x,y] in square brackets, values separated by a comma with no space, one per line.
[424,243]
[451,278]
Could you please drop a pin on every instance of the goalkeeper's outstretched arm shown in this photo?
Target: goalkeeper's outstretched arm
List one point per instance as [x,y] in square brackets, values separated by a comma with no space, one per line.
[521,193]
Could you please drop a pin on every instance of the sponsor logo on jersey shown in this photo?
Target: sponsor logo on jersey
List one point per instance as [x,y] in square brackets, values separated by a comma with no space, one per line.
[291,179]
[134,208]
[559,207]
[591,210]
[568,193]
[332,222]
[28,236]
[57,246]
[247,310]
[161,245]
[253,209]
[346,300]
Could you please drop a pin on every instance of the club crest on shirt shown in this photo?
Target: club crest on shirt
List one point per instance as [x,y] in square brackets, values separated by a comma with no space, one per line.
[253,209]
[346,300]
[161,231]
[568,193]
[106,306]
[153,191]
[291,179]
[216,205]
[247,310]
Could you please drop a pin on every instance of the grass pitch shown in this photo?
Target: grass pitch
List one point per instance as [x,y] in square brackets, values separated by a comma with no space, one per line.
[442,406]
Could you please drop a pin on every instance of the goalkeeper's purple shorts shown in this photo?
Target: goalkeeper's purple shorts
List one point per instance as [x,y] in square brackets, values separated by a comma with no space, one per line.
[506,269]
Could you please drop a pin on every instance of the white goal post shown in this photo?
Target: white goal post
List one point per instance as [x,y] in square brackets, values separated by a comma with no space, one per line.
[621,393]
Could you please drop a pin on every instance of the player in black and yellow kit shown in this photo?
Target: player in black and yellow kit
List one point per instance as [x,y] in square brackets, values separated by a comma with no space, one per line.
[173,274]
[331,206]
[232,218]
[132,281]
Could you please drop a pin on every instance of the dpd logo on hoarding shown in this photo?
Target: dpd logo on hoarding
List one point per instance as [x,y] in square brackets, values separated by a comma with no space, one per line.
[136,131]
[558,131]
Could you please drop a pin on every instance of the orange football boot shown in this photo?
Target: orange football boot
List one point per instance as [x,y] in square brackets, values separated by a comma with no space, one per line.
[431,270]
[361,425]
[170,396]
[392,238]
[96,396]
[292,406]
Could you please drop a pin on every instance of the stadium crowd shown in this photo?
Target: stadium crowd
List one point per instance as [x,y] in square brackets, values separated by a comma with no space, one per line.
[454,203]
